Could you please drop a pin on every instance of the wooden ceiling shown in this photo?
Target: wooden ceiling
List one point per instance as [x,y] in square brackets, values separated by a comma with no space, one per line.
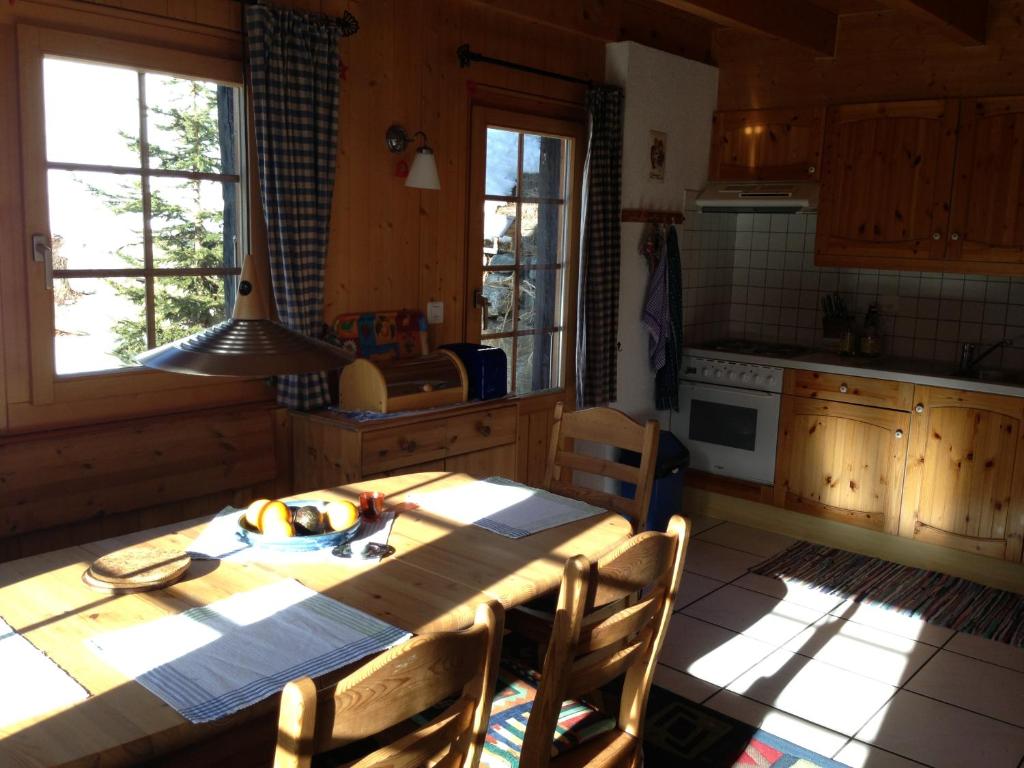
[813,24]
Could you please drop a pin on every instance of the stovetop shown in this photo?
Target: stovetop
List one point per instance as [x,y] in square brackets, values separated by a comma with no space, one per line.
[762,348]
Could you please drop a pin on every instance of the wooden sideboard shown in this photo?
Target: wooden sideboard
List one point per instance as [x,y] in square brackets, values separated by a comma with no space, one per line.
[476,438]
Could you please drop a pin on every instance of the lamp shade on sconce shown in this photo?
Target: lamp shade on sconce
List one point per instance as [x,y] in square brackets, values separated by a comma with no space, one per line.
[423,174]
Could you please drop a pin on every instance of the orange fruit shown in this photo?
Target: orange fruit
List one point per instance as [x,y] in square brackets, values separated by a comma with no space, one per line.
[252,512]
[275,510]
[276,528]
[341,515]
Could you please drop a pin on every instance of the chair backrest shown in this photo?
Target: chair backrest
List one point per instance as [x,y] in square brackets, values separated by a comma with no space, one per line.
[594,639]
[399,684]
[608,427]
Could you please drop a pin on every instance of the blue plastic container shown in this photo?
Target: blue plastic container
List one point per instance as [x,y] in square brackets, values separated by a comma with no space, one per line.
[669,470]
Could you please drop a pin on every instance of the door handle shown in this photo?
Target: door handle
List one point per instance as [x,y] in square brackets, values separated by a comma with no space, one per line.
[919,408]
[42,253]
[899,433]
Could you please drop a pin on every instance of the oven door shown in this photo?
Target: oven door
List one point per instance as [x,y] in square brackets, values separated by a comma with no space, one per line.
[729,431]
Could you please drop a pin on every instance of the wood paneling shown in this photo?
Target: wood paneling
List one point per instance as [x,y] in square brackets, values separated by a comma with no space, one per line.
[886,183]
[881,55]
[842,462]
[767,144]
[965,478]
[964,22]
[987,221]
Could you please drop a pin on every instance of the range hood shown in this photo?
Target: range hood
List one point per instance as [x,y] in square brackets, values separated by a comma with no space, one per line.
[759,197]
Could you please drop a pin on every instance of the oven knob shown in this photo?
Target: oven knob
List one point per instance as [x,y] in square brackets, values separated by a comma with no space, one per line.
[732,375]
[719,374]
[706,371]
[757,379]
[745,377]
[770,380]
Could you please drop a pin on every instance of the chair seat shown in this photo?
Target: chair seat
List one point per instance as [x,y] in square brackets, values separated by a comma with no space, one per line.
[578,722]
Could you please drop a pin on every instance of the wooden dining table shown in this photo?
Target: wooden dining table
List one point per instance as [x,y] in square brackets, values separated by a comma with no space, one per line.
[440,570]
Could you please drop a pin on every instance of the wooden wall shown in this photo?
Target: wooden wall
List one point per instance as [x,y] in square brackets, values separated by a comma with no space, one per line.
[881,55]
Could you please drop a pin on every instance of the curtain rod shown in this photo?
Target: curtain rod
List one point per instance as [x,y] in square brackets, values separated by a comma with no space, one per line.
[467,56]
[347,24]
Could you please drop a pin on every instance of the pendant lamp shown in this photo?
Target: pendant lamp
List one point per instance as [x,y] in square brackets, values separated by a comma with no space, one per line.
[248,345]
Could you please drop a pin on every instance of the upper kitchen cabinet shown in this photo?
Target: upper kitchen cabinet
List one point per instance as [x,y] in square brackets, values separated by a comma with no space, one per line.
[987,219]
[887,176]
[965,478]
[767,145]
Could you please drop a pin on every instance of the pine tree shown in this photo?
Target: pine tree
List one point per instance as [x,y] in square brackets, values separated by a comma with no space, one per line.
[185,233]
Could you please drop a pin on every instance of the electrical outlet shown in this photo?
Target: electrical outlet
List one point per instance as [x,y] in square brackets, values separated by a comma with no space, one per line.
[435,312]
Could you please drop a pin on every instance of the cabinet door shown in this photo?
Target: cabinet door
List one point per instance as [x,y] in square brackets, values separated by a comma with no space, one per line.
[964,480]
[768,144]
[987,220]
[841,461]
[886,183]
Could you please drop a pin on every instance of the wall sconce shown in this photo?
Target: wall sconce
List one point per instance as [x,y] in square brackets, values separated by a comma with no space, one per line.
[423,174]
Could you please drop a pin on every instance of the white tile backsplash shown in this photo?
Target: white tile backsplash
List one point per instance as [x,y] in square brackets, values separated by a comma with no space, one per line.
[753,275]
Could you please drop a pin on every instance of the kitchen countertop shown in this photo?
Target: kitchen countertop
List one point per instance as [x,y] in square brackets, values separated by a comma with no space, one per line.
[925,372]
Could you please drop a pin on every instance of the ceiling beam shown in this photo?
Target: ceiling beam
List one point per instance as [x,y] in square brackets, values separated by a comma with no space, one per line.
[796,21]
[963,20]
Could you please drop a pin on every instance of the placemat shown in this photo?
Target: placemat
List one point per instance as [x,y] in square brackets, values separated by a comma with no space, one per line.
[504,507]
[219,541]
[213,660]
[32,681]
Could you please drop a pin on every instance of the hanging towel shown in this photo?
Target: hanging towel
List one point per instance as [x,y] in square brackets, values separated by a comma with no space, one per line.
[656,317]
[666,382]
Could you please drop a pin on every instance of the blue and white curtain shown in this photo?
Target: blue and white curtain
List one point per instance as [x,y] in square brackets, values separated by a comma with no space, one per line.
[597,321]
[294,71]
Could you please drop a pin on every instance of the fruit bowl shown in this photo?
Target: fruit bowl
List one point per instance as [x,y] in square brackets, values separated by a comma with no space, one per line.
[301,542]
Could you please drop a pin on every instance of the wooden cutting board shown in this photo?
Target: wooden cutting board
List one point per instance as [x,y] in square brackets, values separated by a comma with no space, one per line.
[140,568]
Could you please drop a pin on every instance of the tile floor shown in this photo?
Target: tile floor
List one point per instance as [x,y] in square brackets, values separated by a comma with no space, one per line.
[865,686]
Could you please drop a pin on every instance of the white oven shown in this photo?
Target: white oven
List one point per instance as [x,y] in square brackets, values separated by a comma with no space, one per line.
[729,417]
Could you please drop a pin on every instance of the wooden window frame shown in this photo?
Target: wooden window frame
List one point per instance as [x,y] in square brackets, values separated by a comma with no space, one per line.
[79,398]
[540,118]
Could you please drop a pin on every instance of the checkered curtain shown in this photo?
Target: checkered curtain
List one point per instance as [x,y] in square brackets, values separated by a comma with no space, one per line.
[294,87]
[598,303]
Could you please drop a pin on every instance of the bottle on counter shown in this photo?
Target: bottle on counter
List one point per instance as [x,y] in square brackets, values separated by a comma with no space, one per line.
[871,338]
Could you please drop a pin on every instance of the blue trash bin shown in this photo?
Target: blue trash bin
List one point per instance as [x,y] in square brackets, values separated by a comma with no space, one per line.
[669,469]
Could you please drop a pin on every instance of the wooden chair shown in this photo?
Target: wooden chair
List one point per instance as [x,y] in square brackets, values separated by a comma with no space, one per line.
[612,429]
[397,685]
[595,640]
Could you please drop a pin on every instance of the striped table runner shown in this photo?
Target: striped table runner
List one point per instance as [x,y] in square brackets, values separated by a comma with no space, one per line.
[213,660]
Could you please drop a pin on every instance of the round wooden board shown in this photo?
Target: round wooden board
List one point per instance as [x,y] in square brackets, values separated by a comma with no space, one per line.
[137,569]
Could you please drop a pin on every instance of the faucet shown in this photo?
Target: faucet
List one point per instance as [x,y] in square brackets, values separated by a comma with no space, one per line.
[969,361]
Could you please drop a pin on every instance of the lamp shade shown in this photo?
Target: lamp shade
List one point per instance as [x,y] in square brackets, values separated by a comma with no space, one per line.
[249,345]
[423,174]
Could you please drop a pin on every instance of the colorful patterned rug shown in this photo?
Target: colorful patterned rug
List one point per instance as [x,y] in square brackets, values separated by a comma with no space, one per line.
[679,733]
[935,597]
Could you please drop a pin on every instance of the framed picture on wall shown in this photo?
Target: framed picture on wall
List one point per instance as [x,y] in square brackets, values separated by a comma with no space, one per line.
[657,154]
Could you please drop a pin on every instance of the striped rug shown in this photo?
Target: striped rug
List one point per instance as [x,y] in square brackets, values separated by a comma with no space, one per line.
[935,597]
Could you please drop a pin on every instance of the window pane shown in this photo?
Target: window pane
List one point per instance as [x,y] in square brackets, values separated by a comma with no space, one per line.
[99,323]
[542,241]
[185,305]
[190,125]
[499,233]
[95,220]
[502,162]
[92,113]
[543,174]
[539,298]
[498,291]
[534,363]
[194,223]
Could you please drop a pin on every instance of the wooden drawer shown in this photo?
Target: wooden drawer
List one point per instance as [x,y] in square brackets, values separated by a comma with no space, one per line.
[850,389]
[481,430]
[403,446]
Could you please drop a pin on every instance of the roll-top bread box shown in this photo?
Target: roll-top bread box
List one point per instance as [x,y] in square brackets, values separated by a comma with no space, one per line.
[404,384]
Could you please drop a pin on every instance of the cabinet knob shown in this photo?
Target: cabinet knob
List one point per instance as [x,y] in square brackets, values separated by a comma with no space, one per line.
[843,388]
[936,235]
[484,429]
[899,434]
[811,169]
[955,236]
[408,445]
[919,408]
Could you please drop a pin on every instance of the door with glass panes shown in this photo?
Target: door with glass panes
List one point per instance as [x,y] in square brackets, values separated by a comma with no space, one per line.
[523,233]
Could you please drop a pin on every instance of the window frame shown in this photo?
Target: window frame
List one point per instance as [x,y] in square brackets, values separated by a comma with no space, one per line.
[51,396]
[538,118]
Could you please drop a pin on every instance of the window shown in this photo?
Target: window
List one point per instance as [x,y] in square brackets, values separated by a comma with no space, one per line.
[146,206]
[526,197]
